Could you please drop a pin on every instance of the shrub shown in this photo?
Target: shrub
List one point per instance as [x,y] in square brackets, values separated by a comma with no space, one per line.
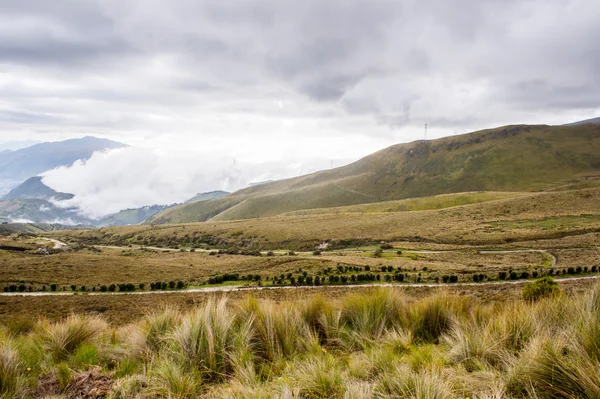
[502,275]
[476,278]
[180,285]
[454,278]
[571,270]
[316,253]
[378,253]
[540,288]
[445,278]
[524,275]
[514,276]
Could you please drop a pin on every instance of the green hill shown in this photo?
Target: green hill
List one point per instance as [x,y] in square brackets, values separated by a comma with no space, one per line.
[510,158]
[207,196]
[130,216]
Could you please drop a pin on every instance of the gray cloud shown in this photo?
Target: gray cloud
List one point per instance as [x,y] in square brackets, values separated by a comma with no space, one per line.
[374,58]
[282,78]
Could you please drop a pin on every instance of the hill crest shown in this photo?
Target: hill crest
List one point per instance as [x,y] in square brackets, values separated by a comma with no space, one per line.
[508,158]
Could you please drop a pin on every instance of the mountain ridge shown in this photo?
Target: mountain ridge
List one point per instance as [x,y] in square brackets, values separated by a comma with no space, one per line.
[20,165]
[507,158]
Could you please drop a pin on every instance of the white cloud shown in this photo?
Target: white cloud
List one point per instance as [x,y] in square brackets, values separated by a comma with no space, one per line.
[132,177]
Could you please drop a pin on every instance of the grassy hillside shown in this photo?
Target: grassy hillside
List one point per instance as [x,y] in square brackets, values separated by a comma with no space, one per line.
[207,196]
[130,216]
[412,204]
[525,217]
[511,158]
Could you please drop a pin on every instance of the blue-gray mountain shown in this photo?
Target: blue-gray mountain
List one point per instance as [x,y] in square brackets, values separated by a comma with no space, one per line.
[18,166]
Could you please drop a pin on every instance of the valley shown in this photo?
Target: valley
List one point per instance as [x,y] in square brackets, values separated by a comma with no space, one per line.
[359,265]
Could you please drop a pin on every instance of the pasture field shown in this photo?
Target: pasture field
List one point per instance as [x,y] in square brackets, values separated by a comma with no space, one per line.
[526,217]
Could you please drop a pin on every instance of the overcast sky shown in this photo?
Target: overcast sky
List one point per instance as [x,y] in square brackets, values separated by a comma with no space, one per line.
[281,87]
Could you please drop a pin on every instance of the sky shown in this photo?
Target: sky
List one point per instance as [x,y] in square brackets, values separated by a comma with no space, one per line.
[225,93]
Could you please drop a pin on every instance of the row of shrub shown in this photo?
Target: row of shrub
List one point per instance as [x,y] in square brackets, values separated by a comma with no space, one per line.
[122,287]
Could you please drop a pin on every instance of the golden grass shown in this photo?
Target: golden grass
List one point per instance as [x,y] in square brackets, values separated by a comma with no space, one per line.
[386,345]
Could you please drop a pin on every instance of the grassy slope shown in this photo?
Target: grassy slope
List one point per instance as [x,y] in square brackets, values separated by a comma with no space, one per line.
[412,204]
[512,158]
[550,215]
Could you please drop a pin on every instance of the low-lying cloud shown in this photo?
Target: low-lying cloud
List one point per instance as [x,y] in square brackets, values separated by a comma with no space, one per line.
[131,177]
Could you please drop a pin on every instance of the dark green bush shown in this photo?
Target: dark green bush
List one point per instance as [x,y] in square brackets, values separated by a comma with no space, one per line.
[541,288]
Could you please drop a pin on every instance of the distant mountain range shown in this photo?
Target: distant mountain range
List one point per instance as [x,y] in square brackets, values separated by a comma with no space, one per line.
[18,166]
[593,120]
[34,202]
[509,158]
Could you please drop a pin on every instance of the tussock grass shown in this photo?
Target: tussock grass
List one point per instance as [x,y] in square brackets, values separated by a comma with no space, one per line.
[170,380]
[204,339]
[11,370]
[372,346]
[405,383]
[62,339]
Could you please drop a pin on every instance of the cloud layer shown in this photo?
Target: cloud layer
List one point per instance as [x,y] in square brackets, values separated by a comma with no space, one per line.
[130,177]
[282,82]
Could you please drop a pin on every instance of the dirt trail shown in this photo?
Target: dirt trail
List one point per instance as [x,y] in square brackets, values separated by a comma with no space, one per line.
[57,244]
[256,288]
